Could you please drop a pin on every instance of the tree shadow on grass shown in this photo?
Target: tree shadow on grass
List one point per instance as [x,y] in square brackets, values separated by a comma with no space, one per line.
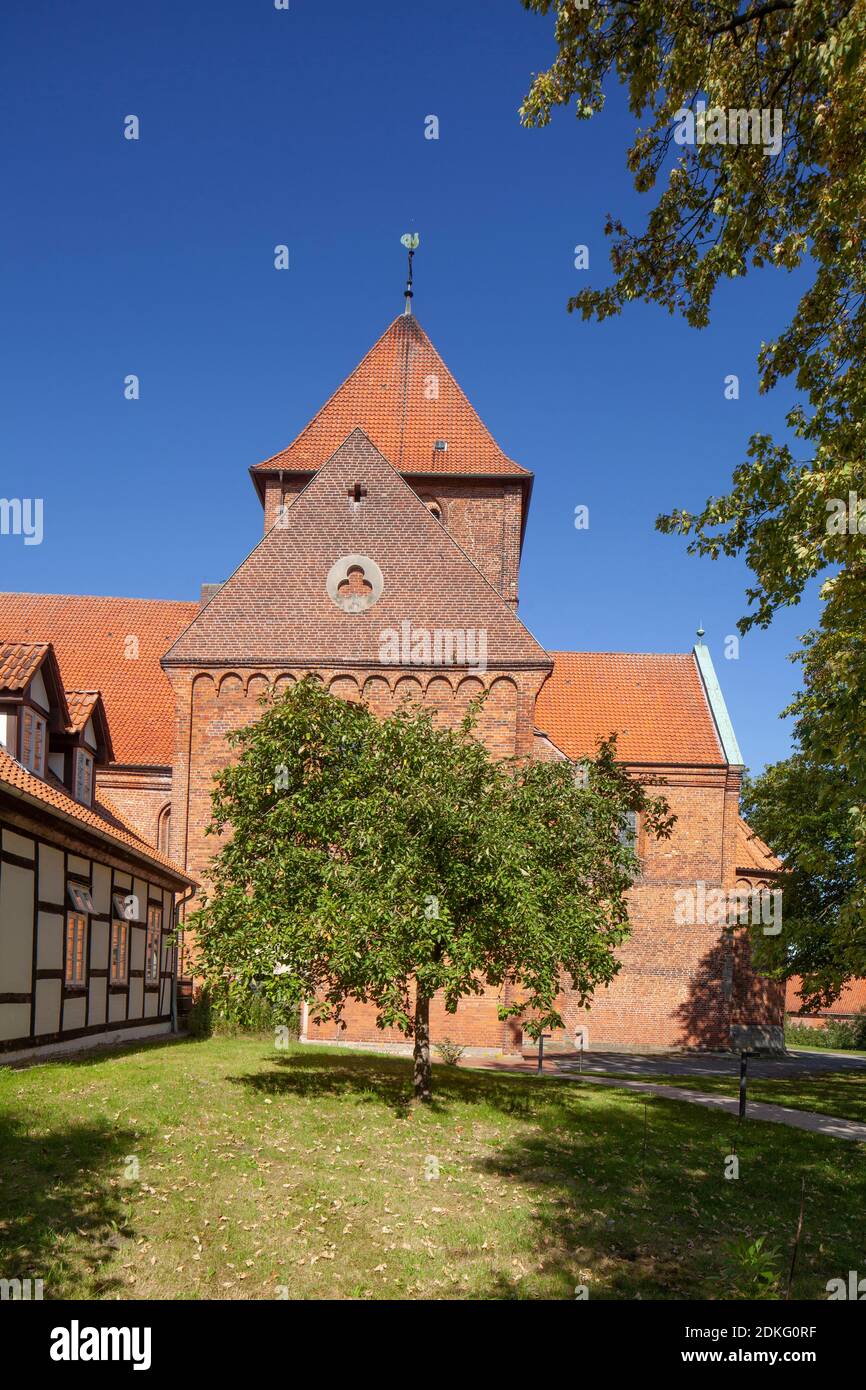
[623,1193]
[59,1206]
[388,1080]
[632,1202]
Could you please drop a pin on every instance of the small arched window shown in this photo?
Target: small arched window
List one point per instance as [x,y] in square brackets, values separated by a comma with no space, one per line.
[163,829]
[433,506]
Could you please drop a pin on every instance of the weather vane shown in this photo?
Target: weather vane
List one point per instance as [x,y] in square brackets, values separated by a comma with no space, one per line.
[410,240]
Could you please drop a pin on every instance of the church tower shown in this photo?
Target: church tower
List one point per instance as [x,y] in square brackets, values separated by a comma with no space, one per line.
[412,410]
[387,568]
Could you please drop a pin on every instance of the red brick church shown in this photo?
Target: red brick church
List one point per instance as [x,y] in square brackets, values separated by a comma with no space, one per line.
[388,565]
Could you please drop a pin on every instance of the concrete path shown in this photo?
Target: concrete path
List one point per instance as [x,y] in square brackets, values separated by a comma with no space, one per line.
[571,1067]
[799,1062]
[756,1109]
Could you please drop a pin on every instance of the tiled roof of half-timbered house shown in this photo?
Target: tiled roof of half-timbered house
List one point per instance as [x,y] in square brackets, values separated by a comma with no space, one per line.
[101,819]
[112,645]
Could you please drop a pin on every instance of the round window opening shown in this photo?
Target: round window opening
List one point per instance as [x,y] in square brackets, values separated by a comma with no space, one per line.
[354,583]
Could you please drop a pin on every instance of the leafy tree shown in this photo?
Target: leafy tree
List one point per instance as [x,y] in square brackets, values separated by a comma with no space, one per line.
[802,810]
[796,509]
[387,860]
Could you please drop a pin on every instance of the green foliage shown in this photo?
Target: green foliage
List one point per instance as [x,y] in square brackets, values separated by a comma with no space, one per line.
[725,210]
[199,1020]
[224,1014]
[388,860]
[837,1034]
[450,1052]
[802,810]
[754,1268]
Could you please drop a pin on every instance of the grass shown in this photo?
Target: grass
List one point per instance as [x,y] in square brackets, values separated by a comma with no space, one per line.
[846,1051]
[226,1169]
[841,1094]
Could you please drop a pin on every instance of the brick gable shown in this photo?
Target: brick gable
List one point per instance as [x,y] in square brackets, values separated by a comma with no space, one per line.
[276,608]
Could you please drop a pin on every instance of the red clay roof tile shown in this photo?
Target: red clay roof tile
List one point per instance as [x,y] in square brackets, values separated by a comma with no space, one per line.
[81,703]
[101,817]
[19,662]
[404,398]
[753,853]
[656,705]
[89,635]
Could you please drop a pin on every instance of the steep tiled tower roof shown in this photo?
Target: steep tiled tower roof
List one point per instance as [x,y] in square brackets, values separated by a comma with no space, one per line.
[405,399]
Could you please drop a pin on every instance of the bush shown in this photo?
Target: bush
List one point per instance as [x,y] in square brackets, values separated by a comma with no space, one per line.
[835,1034]
[858,1028]
[753,1268]
[450,1052]
[199,1020]
[232,1017]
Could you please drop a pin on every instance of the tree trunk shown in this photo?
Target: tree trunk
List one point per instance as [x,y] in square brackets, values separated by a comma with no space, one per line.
[422,1074]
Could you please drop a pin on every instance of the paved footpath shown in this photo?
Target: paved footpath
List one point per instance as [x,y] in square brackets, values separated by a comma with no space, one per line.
[756,1110]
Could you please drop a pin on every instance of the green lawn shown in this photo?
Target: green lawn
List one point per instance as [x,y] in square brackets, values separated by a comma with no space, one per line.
[260,1171]
[841,1093]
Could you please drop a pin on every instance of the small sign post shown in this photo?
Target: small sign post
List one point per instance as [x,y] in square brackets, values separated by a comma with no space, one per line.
[541,1038]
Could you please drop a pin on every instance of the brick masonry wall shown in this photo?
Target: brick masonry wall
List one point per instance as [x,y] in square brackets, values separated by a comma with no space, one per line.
[484,519]
[280,492]
[142,797]
[678,984]
[675,988]
[211,703]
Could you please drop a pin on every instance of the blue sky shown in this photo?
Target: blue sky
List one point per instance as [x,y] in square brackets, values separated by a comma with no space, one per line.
[306,127]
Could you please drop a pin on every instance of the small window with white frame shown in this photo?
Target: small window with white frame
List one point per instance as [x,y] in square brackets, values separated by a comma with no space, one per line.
[33,730]
[75,972]
[83,782]
[154,945]
[119,952]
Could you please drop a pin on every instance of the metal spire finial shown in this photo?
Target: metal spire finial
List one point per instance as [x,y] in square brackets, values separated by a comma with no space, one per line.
[700,633]
[410,240]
